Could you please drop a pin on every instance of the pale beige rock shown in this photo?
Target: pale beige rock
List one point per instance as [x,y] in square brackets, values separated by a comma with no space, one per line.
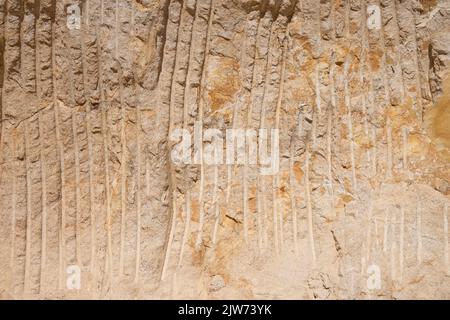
[86,180]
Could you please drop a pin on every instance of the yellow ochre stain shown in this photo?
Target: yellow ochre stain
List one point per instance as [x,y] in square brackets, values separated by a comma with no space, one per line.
[223,82]
[438,121]
[429,5]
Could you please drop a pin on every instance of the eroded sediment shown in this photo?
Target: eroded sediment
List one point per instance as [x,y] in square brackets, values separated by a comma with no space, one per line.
[88,107]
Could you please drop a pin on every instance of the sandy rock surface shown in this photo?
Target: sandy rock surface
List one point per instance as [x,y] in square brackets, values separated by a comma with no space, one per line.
[93,206]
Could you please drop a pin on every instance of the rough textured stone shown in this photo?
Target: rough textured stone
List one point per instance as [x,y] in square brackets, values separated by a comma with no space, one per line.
[362,102]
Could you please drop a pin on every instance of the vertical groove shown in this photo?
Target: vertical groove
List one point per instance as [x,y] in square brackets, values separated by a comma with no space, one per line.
[217,208]
[230,169]
[260,206]
[350,123]
[387,95]
[102,11]
[87,12]
[309,209]
[61,233]
[405,134]
[3,16]
[332,106]
[260,185]
[200,114]
[185,127]
[37,65]
[123,143]
[93,234]
[172,182]
[107,187]
[188,84]
[374,151]
[417,65]
[277,235]
[402,240]
[62,238]
[261,179]
[330,111]
[186,228]
[317,106]
[249,116]
[411,77]
[389,147]
[77,189]
[138,170]
[419,233]
[247,122]
[371,95]
[44,204]
[318,97]
[147,178]
[138,195]
[397,45]
[13,44]
[108,260]
[387,98]
[28,220]
[292,193]
[277,213]
[362,76]
[70,73]
[72,222]
[91,191]
[446,249]
[245,203]
[13,218]
[169,245]
[392,255]
[28,46]
[369,232]
[377,239]
[347,98]
[386,230]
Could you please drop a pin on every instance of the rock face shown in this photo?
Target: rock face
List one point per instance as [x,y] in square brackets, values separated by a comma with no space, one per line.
[93,205]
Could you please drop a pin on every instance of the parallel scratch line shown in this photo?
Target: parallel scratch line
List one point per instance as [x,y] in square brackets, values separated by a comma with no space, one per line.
[200,116]
[77,189]
[61,234]
[419,233]
[29,213]
[172,180]
[446,249]
[277,213]
[124,147]
[309,209]
[44,203]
